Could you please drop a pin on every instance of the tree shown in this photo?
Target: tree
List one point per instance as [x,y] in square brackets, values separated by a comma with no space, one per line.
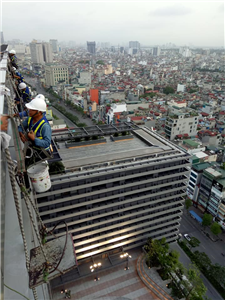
[206,220]
[215,228]
[218,273]
[194,242]
[204,259]
[168,90]
[188,203]
[194,284]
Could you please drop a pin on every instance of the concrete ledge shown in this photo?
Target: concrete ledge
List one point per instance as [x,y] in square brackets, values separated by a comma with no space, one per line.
[121,137]
[156,289]
[85,143]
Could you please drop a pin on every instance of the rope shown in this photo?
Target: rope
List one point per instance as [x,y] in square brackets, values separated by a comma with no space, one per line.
[18,210]
[11,168]
[34,226]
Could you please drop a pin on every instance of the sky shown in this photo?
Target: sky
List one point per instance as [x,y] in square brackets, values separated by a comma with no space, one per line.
[190,23]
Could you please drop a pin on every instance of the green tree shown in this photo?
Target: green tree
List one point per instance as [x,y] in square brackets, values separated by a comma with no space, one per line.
[204,259]
[188,203]
[194,242]
[206,220]
[218,273]
[194,284]
[168,90]
[215,228]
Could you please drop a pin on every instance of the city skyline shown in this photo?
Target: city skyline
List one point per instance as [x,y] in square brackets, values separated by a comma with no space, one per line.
[150,23]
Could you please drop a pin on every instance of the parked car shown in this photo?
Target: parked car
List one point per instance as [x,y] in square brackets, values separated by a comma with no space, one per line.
[187,237]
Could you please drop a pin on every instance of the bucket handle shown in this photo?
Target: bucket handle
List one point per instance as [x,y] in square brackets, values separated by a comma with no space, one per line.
[32,152]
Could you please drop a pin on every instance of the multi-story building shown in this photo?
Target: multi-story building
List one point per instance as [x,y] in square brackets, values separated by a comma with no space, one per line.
[181,121]
[54,44]
[47,52]
[212,192]
[36,51]
[156,51]
[117,194]
[134,44]
[85,78]
[56,73]
[91,47]
[41,52]
[195,180]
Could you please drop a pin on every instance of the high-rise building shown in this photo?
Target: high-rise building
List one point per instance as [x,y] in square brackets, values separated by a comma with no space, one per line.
[56,73]
[2,38]
[41,52]
[54,44]
[47,52]
[91,47]
[117,194]
[134,44]
[156,51]
[36,51]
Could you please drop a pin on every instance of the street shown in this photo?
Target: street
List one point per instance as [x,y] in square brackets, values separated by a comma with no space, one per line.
[40,90]
[212,249]
[185,260]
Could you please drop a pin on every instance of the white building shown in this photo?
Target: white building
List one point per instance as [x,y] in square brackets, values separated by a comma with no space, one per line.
[85,78]
[181,121]
[55,73]
[181,88]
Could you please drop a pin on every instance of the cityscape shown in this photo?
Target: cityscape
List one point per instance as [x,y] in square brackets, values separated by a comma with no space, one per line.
[113,155]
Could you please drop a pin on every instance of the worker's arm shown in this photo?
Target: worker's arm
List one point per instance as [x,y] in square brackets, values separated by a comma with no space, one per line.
[47,135]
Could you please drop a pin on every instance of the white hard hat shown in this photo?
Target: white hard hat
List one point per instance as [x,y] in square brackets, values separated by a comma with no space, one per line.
[22,86]
[37,104]
[14,69]
[40,96]
[12,52]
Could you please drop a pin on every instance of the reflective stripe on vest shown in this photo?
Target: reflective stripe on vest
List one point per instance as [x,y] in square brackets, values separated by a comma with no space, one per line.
[38,129]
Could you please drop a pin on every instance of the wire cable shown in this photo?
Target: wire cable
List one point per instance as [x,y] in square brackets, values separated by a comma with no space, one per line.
[16,291]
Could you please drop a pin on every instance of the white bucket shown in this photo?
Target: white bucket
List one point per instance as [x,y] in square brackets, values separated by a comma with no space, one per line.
[39,177]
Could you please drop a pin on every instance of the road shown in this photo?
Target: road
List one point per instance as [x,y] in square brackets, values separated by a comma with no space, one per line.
[212,249]
[61,116]
[40,90]
[185,260]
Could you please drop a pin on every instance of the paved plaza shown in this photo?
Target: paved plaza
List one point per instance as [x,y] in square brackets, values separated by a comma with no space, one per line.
[114,284]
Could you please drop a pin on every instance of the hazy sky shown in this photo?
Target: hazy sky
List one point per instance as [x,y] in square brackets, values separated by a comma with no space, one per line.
[197,23]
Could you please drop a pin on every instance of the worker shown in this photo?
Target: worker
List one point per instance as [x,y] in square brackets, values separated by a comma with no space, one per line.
[25,94]
[13,58]
[25,112]
[17,75]
[39,130]
[4,137]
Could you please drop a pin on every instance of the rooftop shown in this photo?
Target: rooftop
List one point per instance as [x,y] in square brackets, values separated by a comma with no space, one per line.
[143,144]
